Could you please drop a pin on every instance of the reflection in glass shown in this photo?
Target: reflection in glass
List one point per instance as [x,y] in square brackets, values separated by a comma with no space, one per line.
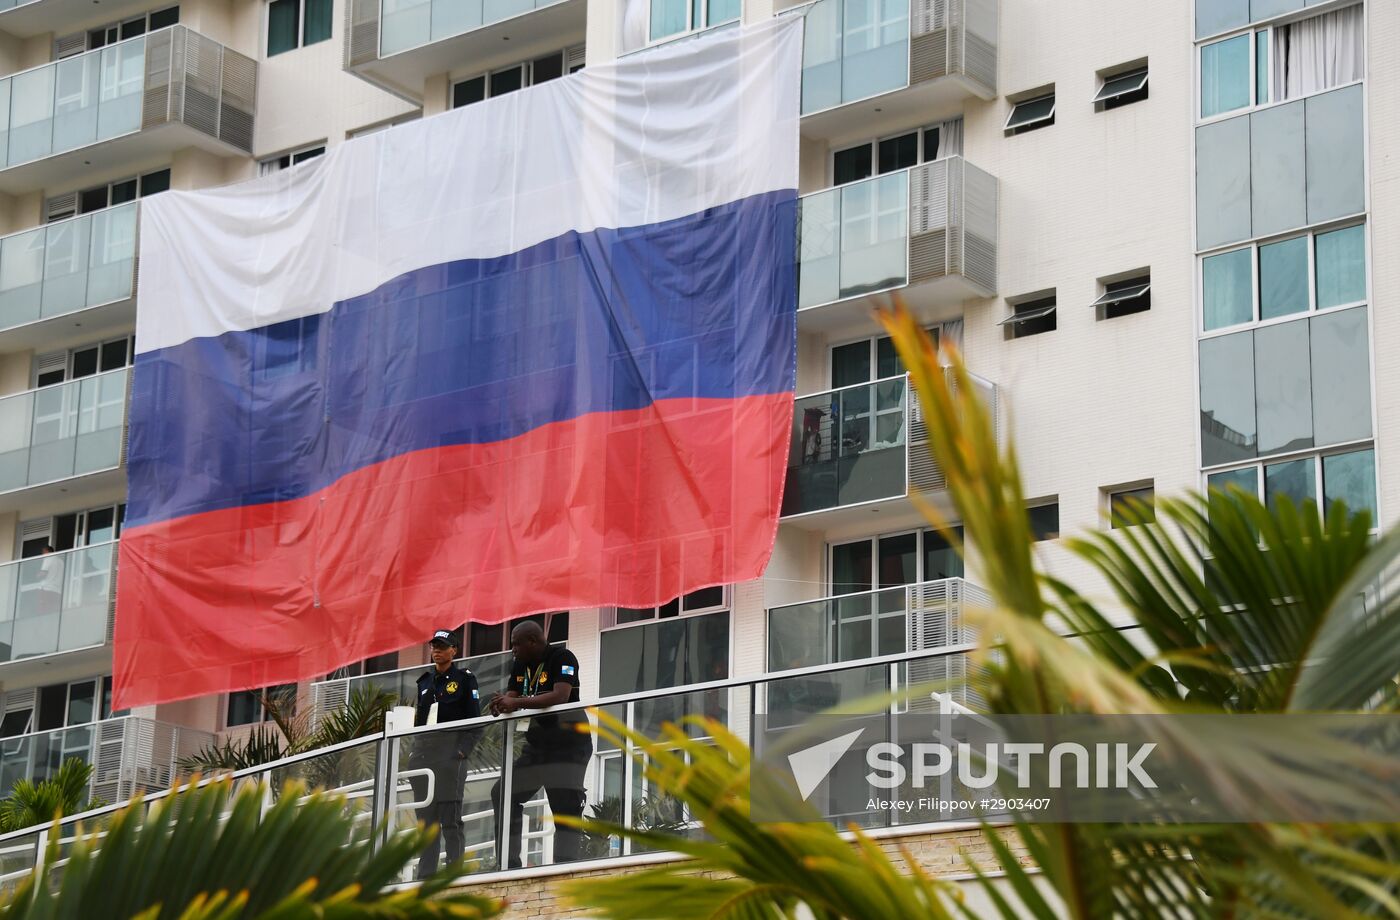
[1283,387]
[1228,429]
[1341,267]
[1278,193]
[1341,377]
[1225,76]
[1292,479]
[1246,478]
[1335,154]
[1283,278]
[1229,288]
[1351,479]
[1222,183]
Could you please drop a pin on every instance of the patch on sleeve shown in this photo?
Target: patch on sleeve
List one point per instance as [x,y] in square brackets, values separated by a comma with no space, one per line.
[567,669]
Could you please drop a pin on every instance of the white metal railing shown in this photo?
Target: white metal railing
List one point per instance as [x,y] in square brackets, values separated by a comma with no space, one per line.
[58,602]
[56,432]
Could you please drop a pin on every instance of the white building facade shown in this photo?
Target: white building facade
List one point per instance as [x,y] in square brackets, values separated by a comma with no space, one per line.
[1156,233]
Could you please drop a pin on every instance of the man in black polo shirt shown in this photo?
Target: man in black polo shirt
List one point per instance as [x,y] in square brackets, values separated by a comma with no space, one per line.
[556,752]
[454,691]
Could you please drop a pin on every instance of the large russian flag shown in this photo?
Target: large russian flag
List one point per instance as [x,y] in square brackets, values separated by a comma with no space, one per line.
[533,354]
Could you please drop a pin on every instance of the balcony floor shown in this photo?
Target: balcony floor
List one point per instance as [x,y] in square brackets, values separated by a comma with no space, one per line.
[70,329]
[898,110]
[498,44]
[64,495]
[931,302]
[885,516]
[104,158]
[60,16]
[60,667]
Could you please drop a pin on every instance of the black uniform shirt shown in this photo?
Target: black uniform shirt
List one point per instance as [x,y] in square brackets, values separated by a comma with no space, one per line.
[455,692]
[559,667]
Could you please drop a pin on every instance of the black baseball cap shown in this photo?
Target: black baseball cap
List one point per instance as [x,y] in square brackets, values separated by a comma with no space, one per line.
[443,637]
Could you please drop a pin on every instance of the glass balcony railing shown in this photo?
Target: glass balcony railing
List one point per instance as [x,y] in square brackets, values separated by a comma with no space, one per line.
[68,265]
[128,755]
[405,24]
[57,432]
[172,74]
[848,446]
[59,602]
[932,221]
[492,672]
[854,50]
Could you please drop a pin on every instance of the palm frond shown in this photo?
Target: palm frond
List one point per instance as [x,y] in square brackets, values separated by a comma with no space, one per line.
[207,852]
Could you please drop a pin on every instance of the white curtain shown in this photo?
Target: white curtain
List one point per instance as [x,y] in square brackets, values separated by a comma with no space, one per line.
[1319,53]
[950,138]
[634,24]
[950,332]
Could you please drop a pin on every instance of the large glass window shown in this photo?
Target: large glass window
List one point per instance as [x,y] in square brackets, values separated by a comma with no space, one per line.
[1226,76]
[1285,387]
[1336,259]
[667,653]
[1349,477]
[245,707]
[676,17]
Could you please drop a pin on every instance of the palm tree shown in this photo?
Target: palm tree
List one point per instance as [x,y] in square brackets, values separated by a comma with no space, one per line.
[64,793]
[291,733]
[208,853]
[1243,608]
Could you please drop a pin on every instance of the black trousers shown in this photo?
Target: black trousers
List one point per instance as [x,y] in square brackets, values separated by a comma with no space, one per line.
[560,772]
[446,814]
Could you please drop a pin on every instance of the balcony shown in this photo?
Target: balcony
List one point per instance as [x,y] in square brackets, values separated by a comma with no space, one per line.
[398,44]
[129,755]
[28,18]
[860,448]
[85,263]
[849,627]
[153,94]
[930,229]
[51,436]
[915,60]
[58,603]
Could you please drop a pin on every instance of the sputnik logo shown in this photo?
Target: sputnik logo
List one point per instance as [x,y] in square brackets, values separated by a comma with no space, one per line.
[812,765]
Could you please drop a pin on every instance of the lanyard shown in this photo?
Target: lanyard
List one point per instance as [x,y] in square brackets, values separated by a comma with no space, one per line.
[532,684]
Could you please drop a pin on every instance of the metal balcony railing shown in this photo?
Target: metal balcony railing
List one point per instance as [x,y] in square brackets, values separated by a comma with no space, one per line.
[68,265]
[129,755]
[60,602]
[172,75]
[57,432]
[491,671]
[862,443]
[931,221]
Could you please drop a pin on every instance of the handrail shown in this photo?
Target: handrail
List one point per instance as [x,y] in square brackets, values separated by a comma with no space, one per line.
[62,221]
[135,38]
[53,387]
[870,593]
[65,728]
[884,175]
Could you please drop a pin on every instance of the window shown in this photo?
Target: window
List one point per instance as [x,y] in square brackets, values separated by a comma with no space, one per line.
[296,23]
[1334,259]
[1045,521]
[884,155]
[1348,477]
[1124,298]
[1285,387]
[1030,114]
[1121,88]
[517,76]
[665,653]
[245,707]
[891,560]
[75,529]
[384,125]
[89,360]
[701,601]
[1030,317]
[490,638]
[867,360]
[130,28]
[1284,62]
[646,22]
[290,159]
[1130,506]
[106,196]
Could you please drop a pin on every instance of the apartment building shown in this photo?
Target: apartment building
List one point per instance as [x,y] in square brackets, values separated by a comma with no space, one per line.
[1151,228]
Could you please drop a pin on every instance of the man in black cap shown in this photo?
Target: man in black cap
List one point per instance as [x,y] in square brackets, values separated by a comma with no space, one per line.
[557,747]
[454,691]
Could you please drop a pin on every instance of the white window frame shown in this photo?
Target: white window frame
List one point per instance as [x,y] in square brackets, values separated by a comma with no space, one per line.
[1100,98]
[1255,322]
[528,80]
[1316,456]
[725,605]
[874,145]
[1255,31]
[1043,121]
[691,28]
[265,163]
[1109,493]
